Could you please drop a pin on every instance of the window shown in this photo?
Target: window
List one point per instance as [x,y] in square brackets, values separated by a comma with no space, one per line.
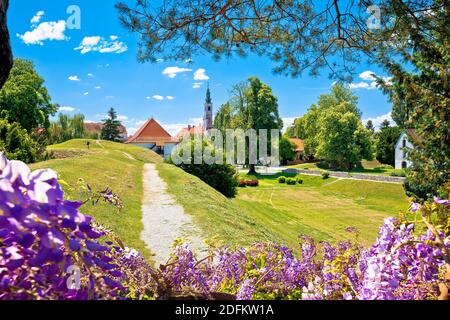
[404,165]
[404,143]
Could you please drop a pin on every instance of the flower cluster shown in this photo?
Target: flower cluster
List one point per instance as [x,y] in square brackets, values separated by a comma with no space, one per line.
[48,249]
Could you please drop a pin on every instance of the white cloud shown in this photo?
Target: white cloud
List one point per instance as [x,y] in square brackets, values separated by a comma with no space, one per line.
[287,122]
[200,75]
[86,93]
[90,75]
[369,82]
[100,44]
[52,30]
[367,75]
[172,72]
[158,97]
[378,120]
[66,109]
[74,78]
[170,97]
[132,130]
[98,87]
[37,17]
[197,85]
[160,60]
[122,118]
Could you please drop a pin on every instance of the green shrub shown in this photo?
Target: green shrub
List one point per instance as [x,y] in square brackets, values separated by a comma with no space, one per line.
[398,173]
[291,181]
[281,179]
[299,179]
[16,143]
[384,166]
[325,174]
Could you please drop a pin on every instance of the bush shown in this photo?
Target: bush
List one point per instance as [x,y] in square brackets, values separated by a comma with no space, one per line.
[384,166]
[16,143]
[398,173]
[281,179]
[291,181]
[221,177]
[248,183]
[325,174]
[299,179]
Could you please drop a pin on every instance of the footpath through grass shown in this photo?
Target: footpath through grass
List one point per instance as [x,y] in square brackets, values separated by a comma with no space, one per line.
[106,164]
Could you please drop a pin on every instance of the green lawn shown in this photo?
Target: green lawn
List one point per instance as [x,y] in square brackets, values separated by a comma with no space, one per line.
[322,208]
[367,167]
[106,164]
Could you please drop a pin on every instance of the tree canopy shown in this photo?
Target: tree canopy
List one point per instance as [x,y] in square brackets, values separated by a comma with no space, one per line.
[387,138]
[111,126]
[24,98]
[6,58]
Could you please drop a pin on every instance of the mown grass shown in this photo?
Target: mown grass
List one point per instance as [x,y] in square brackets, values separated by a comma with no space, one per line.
[322,208]
[107,164]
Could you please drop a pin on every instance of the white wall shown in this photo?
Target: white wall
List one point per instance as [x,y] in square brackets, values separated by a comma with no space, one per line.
[399,152]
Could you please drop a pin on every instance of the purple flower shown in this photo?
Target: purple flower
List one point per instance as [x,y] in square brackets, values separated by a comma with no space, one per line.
[441,201]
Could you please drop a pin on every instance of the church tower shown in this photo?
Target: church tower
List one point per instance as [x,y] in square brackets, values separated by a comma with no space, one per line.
[208,115]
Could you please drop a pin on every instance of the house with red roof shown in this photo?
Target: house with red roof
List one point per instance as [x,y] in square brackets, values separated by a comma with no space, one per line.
[153,136]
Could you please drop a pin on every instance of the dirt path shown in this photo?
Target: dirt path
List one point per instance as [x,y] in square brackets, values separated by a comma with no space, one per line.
[163,219]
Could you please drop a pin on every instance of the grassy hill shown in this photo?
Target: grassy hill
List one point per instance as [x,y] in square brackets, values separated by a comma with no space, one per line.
[271,212]
[106,164]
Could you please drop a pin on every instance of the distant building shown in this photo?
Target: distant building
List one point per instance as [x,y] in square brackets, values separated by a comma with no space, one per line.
[153,136]
[402,146]
[299,148]
[94,130]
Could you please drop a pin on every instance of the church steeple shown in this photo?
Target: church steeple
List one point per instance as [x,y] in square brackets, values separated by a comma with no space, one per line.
[208,114]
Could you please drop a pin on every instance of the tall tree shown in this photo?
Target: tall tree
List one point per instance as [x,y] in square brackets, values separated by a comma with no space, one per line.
[257,108]
[387,138]
[6,57]
[24,99]
[111,126]
[369,126]
[420,94]
[385,124]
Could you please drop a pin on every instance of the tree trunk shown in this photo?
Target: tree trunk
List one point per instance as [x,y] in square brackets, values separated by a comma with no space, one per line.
[6,58]
[252,170]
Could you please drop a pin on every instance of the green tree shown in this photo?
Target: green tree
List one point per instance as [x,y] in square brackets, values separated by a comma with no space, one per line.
[370,127]
[66,128]
[387,137]
[385,124]
[111,127]
[256,108]
[24,98]
[420,94]
[343,140]
[16,143]
[224,117]
[287,150]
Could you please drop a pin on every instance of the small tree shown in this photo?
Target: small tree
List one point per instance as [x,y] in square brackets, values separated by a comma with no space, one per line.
[385,146]
[287,150]
[111,127]
[16,143]
[369,126]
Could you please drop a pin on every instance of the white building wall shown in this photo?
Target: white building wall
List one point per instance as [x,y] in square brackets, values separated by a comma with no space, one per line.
[400,153]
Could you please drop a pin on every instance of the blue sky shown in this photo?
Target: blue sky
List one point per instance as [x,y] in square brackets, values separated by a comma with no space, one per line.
[93,68]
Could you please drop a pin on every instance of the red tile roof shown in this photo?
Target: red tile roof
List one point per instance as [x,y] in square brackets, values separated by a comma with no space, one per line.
[189,130]
[300,146]
[151,132]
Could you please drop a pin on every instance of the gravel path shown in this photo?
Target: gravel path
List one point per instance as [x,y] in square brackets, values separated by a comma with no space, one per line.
[164,220]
